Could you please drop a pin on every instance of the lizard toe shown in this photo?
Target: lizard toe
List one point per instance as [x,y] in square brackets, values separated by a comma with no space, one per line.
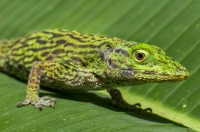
[25,103]
[147,110]
[43,101]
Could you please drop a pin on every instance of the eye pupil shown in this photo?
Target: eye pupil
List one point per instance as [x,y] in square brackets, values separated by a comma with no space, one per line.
[140,56]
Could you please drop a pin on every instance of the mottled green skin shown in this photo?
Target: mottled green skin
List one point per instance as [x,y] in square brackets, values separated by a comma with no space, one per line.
[69,60]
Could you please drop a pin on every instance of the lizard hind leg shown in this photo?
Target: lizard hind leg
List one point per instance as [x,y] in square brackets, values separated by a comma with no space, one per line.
[118,101]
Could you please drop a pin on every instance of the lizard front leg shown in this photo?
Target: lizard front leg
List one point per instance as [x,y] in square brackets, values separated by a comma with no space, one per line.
[118,100]
[50,73]
[32,93]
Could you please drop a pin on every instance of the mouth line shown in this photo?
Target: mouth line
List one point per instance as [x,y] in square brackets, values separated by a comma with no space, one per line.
[153,75]
[160,77]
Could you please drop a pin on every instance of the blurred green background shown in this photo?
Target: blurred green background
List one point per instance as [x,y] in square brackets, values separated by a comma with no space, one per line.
[173,25]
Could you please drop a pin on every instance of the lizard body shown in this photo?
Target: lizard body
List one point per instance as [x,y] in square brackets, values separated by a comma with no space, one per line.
[68,60]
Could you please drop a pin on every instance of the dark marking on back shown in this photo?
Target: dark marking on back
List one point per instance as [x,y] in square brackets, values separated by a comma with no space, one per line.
[69,44]
[124,52]
[80,46]
[41,41]
[76,59]
[77,38]
[60,42]
[44,53]
[31,38]
[87,52]
[79,61]
[41,49]
[17,41]
[54,34]
[58,51]
[50,57]
[105,44]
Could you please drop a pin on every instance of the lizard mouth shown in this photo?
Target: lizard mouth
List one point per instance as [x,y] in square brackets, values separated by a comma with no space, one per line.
[166,76]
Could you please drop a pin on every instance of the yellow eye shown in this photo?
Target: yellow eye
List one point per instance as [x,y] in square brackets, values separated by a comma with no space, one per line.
[140,56]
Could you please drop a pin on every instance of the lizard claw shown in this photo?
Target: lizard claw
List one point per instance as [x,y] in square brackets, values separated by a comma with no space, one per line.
[118,101]
[147,110]
[137,105]
[26,102]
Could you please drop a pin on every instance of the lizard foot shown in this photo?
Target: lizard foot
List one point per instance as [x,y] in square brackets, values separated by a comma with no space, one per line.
[118,101]
[43,101]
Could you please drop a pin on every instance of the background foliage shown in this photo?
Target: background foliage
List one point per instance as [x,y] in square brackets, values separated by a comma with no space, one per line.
[172,25]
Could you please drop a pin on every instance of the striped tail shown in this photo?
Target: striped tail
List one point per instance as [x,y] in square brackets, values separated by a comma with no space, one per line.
[5,47]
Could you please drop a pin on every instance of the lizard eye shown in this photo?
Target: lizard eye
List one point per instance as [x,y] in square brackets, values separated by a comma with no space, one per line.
[140,56]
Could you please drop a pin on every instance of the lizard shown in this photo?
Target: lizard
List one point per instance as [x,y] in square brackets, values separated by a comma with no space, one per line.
[68,60]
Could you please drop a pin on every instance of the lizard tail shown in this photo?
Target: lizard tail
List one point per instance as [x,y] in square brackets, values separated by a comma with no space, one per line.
[5,46]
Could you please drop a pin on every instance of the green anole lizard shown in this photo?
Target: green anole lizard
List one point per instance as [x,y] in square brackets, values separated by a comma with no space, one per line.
[69,61]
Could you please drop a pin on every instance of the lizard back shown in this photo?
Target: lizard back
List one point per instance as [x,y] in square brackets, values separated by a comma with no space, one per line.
[61,46]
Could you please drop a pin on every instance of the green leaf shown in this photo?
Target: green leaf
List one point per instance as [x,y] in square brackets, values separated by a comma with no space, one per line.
[172,25]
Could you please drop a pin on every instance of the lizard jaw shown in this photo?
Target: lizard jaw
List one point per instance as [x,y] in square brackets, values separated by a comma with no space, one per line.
[167,76]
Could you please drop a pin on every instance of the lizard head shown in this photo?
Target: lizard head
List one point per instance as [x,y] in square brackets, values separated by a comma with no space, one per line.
[151,63]
[145,63]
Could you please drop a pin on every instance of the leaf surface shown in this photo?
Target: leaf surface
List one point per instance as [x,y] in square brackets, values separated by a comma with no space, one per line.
[172,25]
